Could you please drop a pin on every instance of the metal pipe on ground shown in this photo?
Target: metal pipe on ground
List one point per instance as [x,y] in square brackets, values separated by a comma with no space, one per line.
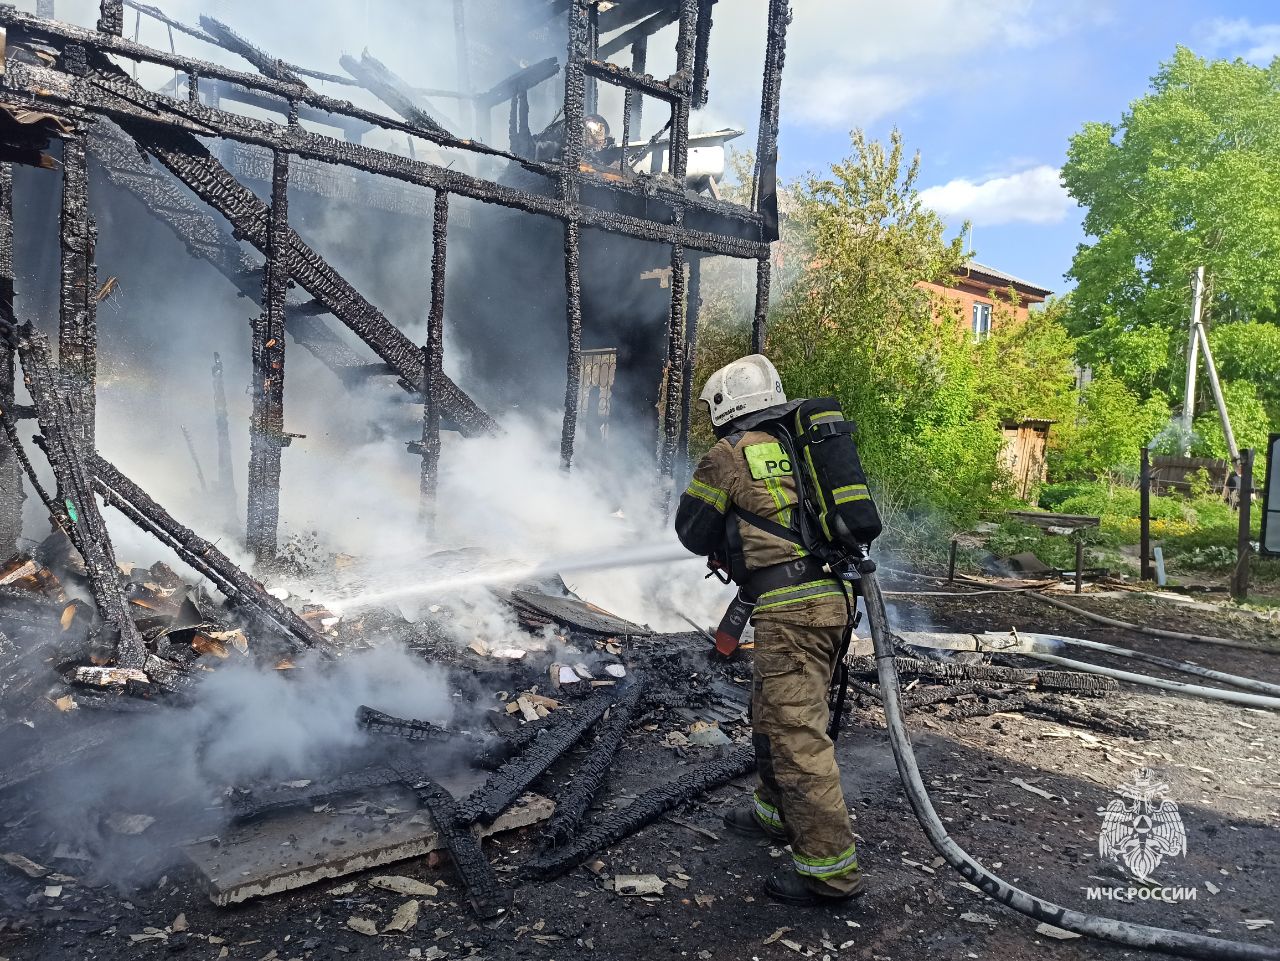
[1053,644]
[1195,690]
[1152,631]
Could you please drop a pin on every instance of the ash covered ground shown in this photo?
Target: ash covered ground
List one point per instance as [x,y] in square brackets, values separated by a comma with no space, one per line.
[118,843]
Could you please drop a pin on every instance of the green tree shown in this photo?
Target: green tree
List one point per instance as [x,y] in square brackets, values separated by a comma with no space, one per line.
[1108,432]
[1250,352]
[1188,177]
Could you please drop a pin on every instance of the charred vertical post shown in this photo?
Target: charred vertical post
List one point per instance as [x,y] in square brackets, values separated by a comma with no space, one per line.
[11,490]
[1244,540]
[267,420]
[632,101]
[570,160]
[762,305]
[694,304]
[1144,516]
[77,320]
[678,155]
[573,365]
[226,485]
[433,363]
[701,52]
[111,17]
[675,368]
[766,173]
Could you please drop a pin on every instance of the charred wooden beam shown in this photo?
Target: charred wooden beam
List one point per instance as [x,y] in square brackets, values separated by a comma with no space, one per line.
[12,494]
[267,65]
[766,172]
[247,805]
[643,811]
[80,517]
[486,752]
[572,806]
[946,671]
[120,492]
[682,83]
[485,894]
[111,16]
[113,94]
[692,308]
[266,424]
[519,82]
[638,34]
[195,167]
[379,80]
[77,321]
[673,401]
[630,80]
[101,95]
[573,360]
[760,320]
[433,362]
[513,778]
[701,51]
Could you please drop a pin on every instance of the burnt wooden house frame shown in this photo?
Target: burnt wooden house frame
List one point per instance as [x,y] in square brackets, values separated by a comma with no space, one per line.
[67,71]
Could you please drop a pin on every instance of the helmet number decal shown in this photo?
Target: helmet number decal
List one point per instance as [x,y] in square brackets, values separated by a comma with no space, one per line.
[767,460]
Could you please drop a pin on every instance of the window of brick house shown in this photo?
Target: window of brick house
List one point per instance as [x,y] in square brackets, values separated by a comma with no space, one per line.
[981,321]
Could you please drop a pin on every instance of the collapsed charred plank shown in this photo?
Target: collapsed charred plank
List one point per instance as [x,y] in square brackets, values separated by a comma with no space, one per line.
[78,510]
[487,897]
[573,805]
[132,501]
[514,777]
[269,66]
[1046,680]
[482,751]
[643,811]
[248,805]
[191,163]
[372,74]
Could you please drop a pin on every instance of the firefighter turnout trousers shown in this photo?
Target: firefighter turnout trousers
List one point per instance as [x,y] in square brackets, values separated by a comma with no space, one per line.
[799,781]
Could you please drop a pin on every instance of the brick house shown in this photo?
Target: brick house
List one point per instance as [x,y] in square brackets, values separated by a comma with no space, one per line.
[975,290]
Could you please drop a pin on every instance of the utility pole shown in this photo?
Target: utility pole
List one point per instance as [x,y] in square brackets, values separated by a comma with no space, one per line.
[1193,345]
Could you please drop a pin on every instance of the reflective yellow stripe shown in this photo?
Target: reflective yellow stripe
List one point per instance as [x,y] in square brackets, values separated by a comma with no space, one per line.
[853,492]
[795,594]
[711,495]
[827,415]
[823,868]
[767,813]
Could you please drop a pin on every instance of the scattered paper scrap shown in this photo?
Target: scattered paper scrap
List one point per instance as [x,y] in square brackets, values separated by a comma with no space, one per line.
[362,925]
[638,884]
[409,887]
[1049,931]
[404,920]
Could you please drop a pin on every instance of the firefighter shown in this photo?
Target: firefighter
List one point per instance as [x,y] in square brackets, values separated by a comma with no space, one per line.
[800,616]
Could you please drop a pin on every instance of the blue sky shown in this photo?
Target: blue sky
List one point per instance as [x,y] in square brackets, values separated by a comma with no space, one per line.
[989,92]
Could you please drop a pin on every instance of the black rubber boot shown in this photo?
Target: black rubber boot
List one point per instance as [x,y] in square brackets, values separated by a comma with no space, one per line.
[744,821]
[789,888]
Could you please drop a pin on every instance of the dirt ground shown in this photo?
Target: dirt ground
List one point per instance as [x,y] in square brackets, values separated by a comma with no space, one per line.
[1220,762]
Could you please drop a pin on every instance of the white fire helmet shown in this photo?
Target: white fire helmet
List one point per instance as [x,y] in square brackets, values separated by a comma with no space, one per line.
[743,387]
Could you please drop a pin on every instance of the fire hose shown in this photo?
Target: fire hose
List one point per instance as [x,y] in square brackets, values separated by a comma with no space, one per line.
[1127,933]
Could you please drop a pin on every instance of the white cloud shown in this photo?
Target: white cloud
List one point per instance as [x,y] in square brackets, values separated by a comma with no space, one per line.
[1034,196]
[850,64]
[1259,43]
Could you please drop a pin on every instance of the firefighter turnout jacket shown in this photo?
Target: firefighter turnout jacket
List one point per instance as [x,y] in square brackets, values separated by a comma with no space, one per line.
[751,471]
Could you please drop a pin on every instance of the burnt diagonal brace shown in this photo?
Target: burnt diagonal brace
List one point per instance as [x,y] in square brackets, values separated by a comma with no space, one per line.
[513,778]
[487,897]
[591,773]
[643,811]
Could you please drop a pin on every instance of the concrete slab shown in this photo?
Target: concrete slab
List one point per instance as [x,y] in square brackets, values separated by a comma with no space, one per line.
[290,851]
